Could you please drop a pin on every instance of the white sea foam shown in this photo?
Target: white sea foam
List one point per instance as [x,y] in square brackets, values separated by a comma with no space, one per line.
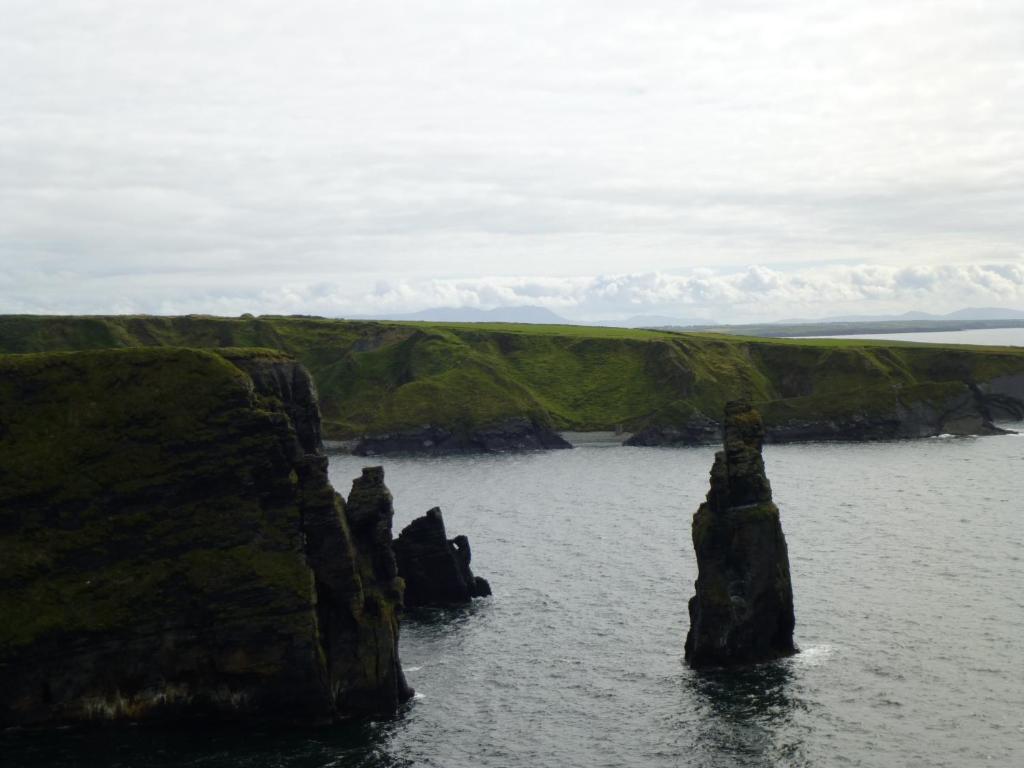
[815,655]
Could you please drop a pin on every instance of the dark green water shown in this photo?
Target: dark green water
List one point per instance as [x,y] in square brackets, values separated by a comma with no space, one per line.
[908,573]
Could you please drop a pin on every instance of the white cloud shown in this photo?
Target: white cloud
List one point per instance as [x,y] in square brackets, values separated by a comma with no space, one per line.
[754,294]
[258,155]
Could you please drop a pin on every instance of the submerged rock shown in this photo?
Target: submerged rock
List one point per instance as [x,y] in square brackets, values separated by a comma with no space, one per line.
[518,434]
[742,611]
[436,569]
[170,546]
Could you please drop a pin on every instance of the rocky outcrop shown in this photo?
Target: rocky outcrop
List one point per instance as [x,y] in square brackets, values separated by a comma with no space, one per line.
[885,413]
[435,568]
[697,430]
[170,546]
[510,435]
[289,383]
[742,611]
[1005,396]
[951,408]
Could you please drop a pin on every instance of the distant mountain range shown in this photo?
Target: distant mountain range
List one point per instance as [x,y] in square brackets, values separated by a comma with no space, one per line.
[655,321]
[470,315]
[969,313]
[543,316]
[527,314]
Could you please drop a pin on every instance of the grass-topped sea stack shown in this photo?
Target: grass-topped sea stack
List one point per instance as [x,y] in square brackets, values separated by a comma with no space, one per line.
[743,609]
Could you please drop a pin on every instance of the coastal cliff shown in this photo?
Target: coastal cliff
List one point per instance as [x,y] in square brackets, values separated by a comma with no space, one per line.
[877,413]
[439,388]
[742,611]
[170,546]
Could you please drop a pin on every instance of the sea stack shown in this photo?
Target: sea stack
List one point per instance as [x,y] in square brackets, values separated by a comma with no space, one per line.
[742,611]
[435,568]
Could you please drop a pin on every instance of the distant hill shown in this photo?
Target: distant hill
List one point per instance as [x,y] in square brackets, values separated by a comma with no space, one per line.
[986,313]
[529,314]
[968,313]
[913,320]
[656,321]
[849,327]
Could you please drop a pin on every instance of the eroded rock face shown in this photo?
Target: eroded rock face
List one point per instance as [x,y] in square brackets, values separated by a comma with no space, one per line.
[742,611]
[436,569]
[170,546]
[952,408]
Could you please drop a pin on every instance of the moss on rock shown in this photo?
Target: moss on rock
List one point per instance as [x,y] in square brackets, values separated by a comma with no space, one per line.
[156,517]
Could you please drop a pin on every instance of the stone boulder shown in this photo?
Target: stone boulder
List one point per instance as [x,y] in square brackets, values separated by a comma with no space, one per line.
[435,568]
[742,611]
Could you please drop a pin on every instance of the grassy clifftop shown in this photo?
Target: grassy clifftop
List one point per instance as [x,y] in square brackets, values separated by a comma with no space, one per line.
[167,530]
[379,376]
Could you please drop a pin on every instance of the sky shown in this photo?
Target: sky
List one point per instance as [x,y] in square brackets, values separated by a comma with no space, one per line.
[727,160]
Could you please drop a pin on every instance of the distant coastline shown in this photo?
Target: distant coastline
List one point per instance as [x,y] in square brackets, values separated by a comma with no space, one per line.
[855,329]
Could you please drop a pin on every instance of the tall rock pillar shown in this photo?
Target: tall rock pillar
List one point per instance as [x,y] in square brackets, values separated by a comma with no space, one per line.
[742,611]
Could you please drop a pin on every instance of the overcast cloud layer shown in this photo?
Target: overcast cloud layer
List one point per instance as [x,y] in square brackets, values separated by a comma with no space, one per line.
[727,160]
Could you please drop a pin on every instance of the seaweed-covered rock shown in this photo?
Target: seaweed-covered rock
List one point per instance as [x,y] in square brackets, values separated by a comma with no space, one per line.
[170,546]
[742,611]
[435,569]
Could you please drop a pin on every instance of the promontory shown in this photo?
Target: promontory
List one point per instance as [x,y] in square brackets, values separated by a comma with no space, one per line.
[479,387]
[170,546]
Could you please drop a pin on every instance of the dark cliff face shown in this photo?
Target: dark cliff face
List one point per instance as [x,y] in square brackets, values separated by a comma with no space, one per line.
[435,568]
[170,546]
[742,611]
[290,383]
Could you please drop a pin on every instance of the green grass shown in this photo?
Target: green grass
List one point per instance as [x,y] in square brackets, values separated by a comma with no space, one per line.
[109,456]
[381,376]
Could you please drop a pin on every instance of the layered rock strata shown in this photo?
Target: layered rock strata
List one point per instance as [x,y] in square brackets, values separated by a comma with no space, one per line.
[170,546]
[511,435]
[435,568]
[742,611]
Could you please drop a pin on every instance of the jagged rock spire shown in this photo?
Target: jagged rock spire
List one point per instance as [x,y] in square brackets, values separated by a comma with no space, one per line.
[742,611]
[435,568]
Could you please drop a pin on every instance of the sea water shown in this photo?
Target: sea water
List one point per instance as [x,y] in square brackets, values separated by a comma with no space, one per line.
[907,563]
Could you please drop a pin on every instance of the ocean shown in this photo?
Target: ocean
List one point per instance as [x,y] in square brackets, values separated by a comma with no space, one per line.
[907,564]
[1007,337]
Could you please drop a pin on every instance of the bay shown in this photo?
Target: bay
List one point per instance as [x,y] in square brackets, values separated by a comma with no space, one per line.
[1003,337]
